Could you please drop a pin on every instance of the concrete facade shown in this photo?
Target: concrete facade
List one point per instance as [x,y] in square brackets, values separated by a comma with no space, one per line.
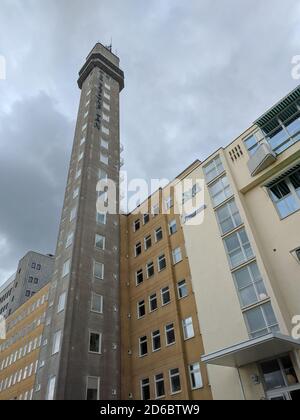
[33,273]
[84,293]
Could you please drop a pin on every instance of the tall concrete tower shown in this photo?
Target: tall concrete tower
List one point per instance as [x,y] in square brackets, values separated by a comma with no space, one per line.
[80,356]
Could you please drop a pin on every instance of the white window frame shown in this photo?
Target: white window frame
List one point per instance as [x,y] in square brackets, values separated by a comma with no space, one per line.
[173,376]
[186,324]
[56,343]
[166,333]
[152,340]
[195,369]
[180,287]
[97,263]
[96,295]
[100,342]
[140,346]
[163,291]
[98,387]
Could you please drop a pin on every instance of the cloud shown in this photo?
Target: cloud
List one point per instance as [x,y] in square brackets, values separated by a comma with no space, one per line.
[32,177]
[197,74]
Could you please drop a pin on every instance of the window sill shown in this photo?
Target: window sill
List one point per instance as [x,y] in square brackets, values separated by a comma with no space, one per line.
[189,338]
[176,393]
[286,217]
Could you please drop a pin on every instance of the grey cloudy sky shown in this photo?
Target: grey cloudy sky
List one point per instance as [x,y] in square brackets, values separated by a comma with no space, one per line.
[198,72]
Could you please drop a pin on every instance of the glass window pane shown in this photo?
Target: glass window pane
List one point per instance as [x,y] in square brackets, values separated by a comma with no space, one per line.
[272,375]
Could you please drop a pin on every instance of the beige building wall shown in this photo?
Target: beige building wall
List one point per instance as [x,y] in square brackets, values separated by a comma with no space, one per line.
[272,239]
[19,353]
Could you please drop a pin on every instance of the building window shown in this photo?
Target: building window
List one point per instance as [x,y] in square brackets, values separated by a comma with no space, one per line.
[162,264]
[279,373]
[145,389]
[159,386]
[56,342]
[137,225]
[97,303]
[148,242]
[177,255]
[155,210]
[98,270]
[169,203]
[138,249]
[106,106]
[188,328]
[51,389]
[195,376]
[141,309]
[238,248]
[104,158]
[104,144]
[101,218]
[30,279]
[107,96]
[175,381]
[153,305]
[173,227]
[251,144]
[156,341]
[158,234]
[213,169]
[143,344]
[165,296]
[139,277]
[103,175]
[61,302]
[100,242]
[220,191]
[250,285]
[105,130]
[93,388]
[33,265]
[146,218]
[78,174]
[150,270]
[69,240]
[38,267]
[286,194]
[75,193]
[228,217]
[182,289]
[66,268]
[73,214]
[170,334]
[261,320]
[95,342]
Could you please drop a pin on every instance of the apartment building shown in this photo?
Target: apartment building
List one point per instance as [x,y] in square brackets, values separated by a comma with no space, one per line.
[19,352]
[161,345]
[33,273]
[244,259]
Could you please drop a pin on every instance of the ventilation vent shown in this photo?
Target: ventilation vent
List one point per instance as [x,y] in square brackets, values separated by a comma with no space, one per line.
[236,153]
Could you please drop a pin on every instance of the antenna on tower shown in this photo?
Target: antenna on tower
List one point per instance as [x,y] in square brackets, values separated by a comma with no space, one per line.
[109,47]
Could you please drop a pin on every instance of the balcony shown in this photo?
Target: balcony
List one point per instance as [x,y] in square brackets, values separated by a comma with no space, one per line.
[263,157]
